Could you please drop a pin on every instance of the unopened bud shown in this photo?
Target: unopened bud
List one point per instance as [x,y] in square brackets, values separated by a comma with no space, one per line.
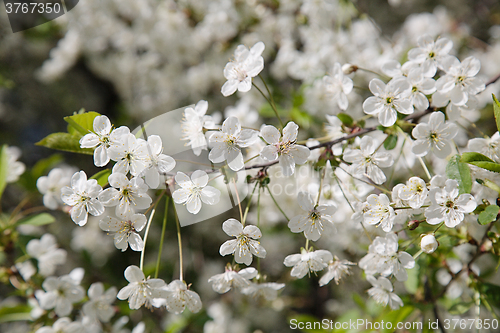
[428,244]
[413,224]
[348,68]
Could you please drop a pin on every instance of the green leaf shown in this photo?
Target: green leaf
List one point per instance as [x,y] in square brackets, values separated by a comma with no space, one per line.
[474,157]
[102,177]
[481,161]
[15,313]
[460,172]
[302,118]
[460,308]
[496,110]
[390,142]
[38,220]
[488,215]
[396,317]
[4,166]
[491,292]
[65,142]
[81,123]
[345,119]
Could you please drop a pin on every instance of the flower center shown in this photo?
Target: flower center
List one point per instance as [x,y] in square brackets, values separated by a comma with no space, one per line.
[449,204]
[432,54]
[389,100]
[433,136]
[284,147]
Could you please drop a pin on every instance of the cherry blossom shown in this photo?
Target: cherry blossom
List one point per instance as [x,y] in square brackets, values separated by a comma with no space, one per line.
[50,186]
[389,100]
[415,192]
[268,291]
[99,304]
[434,136]
[379,212]
[194,191]
[382,293]
[193,122]
[337,86]
[284,148]
[140,290]
[316,219]
[431,54]
[224,282]
[306,262]
[82,196]
[63,325]
[428,244]
[245,245]
[125,230]
[132,194]
[246,65]
[131,154]
[228,142]
[178,297]
[336,270]
[102,139]
[158,164]
[448,206]
[46,252]
[367,161]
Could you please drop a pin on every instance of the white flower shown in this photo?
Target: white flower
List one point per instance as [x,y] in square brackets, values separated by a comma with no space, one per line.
[382,292]
[366,161]
[132,194]
[158,163]
[306,261]
[26,269]
[388,100]
[222,283]
[448,206]
[102,139]
[192,125]
[421,86]
[125,230]
[195,190]
[489,147]
[99,304]
[379,212]
[245,245]
[228,142]
[415,192]
[63,325]
[383,257]
[50,186]
[337,86]
[140,290]
[60,293]
[246,65]
[14,167]
[82,196]
[284,147]
[336,270]
[434,136]
[460,81]
[178,297]
[131,154]
[430,54]
[46,252]
[315,220]
[269,290]
[428,243]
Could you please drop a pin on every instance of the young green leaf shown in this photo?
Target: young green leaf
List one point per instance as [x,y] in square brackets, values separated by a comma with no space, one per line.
[496,111]
[38,220]
[345,119]
[65,142]
[102,177]
[474,157]
[460,172]
[81,123]
[489,214]
[390,142]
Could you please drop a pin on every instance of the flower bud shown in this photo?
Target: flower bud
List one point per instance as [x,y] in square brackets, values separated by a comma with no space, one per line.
[348,68]
[413,224]
[429,244]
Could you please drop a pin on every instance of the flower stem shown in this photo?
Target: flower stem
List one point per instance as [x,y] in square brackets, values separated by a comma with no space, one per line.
[162,237]
[238,198]
[247,208]
[181,264]
[270,100]
[427,173]
[281,210]
[153,211]
[320,186]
